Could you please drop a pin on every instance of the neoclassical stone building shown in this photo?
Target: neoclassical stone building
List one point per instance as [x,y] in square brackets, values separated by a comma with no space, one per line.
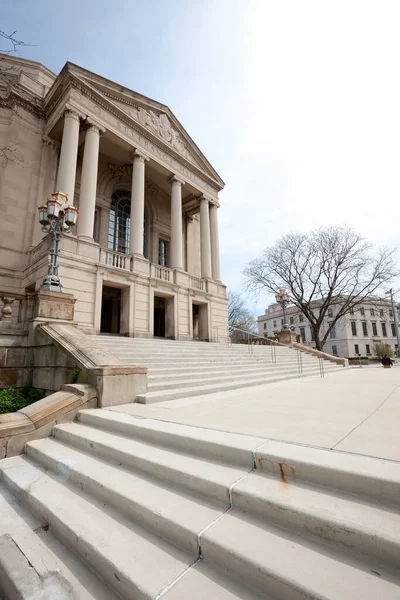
[143,259]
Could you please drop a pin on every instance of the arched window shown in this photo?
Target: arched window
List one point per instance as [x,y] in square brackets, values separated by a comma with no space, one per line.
[119,228]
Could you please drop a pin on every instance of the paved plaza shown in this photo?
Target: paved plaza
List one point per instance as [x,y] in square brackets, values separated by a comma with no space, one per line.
[356,410]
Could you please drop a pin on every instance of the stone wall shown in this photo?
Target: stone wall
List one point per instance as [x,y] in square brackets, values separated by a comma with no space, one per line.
[15,369]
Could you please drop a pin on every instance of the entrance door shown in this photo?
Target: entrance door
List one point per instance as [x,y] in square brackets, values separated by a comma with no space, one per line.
[200,321]
[110,310]
[159,317]
[196,322]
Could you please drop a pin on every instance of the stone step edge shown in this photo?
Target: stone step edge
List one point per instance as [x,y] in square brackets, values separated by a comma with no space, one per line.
[103,565]
[305,522]
[178,394]
[358,474]
[154,386]
[342,471]
[189,371]
[159,465]
[289,566]
[232,505]
[343,520]
[231,448]
[105,489]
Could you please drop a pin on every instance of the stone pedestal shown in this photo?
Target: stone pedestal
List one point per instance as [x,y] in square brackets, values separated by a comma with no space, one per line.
[287,337]
[54,305]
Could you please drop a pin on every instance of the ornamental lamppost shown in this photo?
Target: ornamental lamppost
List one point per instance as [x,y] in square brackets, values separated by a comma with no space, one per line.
[283,298]
[56,217]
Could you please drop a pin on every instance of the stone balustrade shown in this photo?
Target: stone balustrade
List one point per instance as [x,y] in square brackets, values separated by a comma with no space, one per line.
[115,259]
[162,273]
[128,262]
[198,284]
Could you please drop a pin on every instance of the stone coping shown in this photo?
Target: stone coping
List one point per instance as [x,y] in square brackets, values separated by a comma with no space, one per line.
[115,381]
[34,418]
[336,359]
[85,351]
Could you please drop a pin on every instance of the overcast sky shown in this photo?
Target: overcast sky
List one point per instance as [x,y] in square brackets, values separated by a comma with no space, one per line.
[295,103]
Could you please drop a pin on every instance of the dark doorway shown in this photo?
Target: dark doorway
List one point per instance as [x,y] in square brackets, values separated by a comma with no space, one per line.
[200,321]
[196,321]
[110,310]
[159,316]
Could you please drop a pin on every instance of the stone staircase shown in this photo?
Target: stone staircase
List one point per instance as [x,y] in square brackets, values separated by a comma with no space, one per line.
[184,369]
[160,510]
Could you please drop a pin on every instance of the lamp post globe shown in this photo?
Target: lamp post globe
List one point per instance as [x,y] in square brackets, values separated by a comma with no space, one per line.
[56,217]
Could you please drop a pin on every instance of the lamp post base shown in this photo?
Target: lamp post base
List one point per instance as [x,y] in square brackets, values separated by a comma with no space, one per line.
[286,336]
[53,305]
[52,283]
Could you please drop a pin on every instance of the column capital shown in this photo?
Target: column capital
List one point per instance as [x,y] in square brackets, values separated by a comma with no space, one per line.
[203,199]
[139,156]
[175,179]
[92,125]
[214,204]
[72,113]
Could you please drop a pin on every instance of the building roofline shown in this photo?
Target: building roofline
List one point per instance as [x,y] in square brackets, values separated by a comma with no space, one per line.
[21,60]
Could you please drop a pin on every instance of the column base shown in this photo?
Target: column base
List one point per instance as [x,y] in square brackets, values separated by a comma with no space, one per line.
[85,238]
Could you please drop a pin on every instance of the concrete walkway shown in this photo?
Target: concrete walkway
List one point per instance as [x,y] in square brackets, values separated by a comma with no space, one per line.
[357,410]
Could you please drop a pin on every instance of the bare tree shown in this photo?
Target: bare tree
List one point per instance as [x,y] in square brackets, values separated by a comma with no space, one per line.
[332,267]
[239,315]
[11,46]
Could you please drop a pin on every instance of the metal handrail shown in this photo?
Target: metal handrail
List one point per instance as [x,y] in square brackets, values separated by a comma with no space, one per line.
[273,345]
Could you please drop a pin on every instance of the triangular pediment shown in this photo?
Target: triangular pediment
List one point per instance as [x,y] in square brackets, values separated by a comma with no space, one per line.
[153,116]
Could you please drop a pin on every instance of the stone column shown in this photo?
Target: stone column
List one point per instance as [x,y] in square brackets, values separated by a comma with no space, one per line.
[215,260]
[87,196]
[205,246]
[189,246]
[137,204]
[69,151]
[176,254]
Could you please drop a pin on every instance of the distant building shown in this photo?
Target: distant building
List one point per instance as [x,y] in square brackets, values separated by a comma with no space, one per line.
[355,333]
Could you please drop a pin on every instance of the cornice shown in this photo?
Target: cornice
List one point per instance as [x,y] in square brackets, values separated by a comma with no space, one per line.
[14,99]
[69,82]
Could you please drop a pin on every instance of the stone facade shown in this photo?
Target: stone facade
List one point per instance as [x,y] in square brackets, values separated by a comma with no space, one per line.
[144,257]
[355,333]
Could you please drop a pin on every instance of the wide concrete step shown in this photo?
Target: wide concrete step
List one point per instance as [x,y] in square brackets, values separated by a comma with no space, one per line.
[134,563]
[291,567]
[194,371]
[157,343]
[187,392]
[347,522]
[198,475]
[175,516]
[218,446]
[365,476]
[176,383]
[207,356]
[141,501]
[212,349]
[187,360]
[205,583]
[166,363]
